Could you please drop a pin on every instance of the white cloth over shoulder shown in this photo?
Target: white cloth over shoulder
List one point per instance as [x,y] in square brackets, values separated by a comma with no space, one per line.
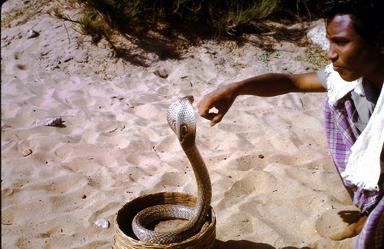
[338,88]
[364,166]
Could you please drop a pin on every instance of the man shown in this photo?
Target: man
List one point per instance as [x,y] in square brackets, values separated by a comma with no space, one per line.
[354,88]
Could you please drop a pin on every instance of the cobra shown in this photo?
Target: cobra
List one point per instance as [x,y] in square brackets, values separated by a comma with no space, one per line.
[182,120]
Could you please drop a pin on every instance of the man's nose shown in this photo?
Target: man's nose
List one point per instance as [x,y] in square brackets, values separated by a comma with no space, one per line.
[331,53]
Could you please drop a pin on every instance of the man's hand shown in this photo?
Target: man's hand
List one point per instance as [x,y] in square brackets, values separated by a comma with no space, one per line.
[221,99]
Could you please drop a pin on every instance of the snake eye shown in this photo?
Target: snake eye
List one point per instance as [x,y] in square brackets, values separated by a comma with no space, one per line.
[183,131]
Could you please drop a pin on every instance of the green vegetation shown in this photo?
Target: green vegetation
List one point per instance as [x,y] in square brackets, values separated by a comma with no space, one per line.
[92,24]
[223,17]
[316,56]
[264,57]
[166,27]
[189,20]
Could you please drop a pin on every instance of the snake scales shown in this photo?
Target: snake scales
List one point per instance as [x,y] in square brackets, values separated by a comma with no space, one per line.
[182,120]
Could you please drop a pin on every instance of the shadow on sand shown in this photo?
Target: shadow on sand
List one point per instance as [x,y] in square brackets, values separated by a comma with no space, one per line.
[245,244]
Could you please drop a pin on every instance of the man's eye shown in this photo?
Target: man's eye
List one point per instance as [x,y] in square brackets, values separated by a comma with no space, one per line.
[341,42]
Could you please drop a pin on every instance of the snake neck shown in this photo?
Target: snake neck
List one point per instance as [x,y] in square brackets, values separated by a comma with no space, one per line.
[203,182]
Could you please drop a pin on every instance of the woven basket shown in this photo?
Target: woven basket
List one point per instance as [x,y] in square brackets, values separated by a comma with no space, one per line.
[125,239]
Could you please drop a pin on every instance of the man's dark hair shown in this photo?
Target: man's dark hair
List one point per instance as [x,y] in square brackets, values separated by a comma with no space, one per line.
[367,16]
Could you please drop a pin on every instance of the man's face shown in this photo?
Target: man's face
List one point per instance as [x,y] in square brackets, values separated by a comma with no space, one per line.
[351,56]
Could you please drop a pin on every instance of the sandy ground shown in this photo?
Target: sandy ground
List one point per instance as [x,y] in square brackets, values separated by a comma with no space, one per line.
[272,177]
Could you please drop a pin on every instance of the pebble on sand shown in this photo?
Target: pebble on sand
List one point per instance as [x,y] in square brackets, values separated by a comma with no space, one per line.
[102,223]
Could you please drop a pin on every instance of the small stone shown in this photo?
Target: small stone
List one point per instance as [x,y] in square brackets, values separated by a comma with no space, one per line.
[102,223]
[27,152]
[162,73]
[32,34]
[17,55]
[68,59]
[21,66]
[55,122]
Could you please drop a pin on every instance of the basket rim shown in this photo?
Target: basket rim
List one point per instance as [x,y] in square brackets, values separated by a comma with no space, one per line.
[211,225]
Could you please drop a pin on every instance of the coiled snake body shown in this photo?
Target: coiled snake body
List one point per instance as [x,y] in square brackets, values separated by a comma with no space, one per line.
[182,120]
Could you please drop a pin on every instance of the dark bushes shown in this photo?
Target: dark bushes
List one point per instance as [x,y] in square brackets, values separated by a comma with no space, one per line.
[218,17]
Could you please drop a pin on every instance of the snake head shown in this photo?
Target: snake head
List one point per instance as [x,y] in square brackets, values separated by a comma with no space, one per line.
[182,120]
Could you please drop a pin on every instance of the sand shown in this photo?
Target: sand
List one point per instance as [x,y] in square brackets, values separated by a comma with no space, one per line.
[274,183]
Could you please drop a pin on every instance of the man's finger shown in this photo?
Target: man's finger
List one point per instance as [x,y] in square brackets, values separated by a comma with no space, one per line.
[216,119]
[209,115]
[202,110]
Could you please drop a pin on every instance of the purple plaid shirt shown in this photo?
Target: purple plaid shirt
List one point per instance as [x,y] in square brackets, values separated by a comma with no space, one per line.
[341,134]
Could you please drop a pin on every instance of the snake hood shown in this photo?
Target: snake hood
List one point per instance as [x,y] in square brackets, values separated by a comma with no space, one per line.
[181,118]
